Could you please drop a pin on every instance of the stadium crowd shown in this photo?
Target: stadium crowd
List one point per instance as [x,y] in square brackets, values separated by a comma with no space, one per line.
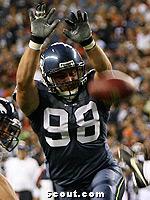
[122,29]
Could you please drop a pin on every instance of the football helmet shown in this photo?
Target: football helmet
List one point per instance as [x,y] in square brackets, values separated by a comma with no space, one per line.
[10,126]
[59,60]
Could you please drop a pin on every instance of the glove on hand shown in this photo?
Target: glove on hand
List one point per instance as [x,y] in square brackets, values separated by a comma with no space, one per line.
[78,28]
[42,23]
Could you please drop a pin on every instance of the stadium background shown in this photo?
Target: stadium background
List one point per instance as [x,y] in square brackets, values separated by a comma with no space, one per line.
[122,29]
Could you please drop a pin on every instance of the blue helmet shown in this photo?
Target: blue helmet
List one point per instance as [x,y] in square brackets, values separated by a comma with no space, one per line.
[10,126]
[59,57]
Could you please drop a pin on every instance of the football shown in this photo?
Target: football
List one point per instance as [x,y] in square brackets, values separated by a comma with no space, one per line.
[112,85]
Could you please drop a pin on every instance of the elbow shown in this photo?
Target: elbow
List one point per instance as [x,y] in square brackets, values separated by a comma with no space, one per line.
[21,86]
[23,83]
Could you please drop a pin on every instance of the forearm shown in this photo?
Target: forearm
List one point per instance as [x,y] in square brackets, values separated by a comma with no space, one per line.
[98,59]
[27,68]
[27,93]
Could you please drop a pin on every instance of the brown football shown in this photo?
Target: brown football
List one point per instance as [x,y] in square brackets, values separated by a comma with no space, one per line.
[111,85]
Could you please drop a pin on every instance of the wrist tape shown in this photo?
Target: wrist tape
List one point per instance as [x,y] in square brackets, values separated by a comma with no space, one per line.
[88,44]
[36,42]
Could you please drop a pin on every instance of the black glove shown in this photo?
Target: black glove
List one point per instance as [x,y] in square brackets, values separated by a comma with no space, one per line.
[79,29]
[42,23]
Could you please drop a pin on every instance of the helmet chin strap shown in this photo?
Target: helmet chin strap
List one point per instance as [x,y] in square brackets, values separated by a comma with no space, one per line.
[69,95]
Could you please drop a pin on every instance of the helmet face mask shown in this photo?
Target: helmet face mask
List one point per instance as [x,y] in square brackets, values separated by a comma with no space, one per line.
[63,70]
[9,132]
[10,126]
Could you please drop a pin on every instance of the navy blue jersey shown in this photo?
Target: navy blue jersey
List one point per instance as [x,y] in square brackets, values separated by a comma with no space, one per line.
[73,135]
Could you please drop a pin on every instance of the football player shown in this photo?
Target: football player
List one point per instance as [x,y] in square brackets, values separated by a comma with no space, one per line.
[10,128]
[139,168]
[70,124]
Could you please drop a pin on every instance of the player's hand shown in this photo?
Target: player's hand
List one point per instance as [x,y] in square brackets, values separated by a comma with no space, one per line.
[42,22]
[78,27]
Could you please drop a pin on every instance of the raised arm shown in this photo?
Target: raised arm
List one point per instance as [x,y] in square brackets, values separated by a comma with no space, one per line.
[98,59]
[79,31]
[27,94]
[42,25]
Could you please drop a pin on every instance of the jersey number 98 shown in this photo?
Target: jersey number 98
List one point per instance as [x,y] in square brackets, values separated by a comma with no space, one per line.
[82,124]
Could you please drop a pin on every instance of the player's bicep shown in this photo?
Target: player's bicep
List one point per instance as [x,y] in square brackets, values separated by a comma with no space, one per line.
[28,99]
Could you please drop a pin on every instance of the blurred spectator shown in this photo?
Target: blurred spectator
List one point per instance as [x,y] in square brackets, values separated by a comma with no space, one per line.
[22,172]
